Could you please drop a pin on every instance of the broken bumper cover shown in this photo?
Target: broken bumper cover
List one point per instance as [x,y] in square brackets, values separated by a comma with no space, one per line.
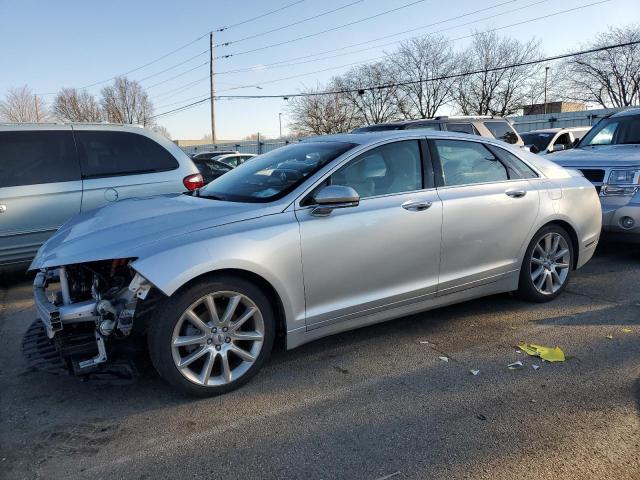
[54,317]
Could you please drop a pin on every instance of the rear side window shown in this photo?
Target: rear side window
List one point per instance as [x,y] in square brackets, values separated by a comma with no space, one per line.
[36,157]
[424,126]
[104,154]
[518,168]
[461,128]
[466,163]
[502,131]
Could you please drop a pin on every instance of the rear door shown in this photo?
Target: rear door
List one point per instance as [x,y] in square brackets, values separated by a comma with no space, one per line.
[120,164]
[40,189]
[488,210]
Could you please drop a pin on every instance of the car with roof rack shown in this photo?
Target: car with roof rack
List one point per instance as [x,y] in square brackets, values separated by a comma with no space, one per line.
[484,125]
[609,156]
[50,172]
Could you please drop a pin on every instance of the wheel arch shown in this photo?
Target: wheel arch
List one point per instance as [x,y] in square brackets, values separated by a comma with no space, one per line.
[572,234]
[267,288]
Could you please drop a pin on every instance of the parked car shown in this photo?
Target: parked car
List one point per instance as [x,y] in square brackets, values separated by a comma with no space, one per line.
[235,159]
[485,126]
[609,156]
[50,172]
[551,140]
[211,169]
[309,240]
[212,154]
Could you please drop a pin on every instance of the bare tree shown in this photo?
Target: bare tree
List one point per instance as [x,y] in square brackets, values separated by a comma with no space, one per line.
[423,60]
[610,77]
[321,114]
[21,105]
[126,102]
[76,106]
[162,130]
[495,91]
[371,105]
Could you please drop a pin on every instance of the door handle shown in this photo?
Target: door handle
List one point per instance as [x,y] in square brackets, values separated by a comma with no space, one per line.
[516,193]
[416,205]
[3,208]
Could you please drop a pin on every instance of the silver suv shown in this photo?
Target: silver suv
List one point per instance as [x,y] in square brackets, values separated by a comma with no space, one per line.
[50,172]
[485,126]
[609,156]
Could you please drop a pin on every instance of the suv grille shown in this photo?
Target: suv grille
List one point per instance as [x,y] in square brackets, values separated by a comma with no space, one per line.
[593,175]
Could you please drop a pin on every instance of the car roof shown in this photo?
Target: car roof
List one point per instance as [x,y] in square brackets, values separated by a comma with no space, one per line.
[365,138]
[627,113]
[462,118]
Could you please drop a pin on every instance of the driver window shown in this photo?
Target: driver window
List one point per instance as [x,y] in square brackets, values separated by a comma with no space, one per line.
[392,168]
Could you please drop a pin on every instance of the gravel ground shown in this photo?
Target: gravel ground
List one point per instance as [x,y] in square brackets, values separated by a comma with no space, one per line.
[367,404]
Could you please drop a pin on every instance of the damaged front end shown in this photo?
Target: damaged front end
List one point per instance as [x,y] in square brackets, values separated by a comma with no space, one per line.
[92,315]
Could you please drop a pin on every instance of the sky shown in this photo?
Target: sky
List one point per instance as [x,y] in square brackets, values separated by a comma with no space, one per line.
[69,43]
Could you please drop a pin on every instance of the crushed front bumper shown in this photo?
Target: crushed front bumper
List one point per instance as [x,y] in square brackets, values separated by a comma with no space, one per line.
[55,316]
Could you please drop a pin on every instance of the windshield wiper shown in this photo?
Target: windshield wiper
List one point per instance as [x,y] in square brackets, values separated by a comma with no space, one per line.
[212,197]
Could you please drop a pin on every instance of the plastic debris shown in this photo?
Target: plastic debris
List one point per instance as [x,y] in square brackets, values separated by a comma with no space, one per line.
[627,330]
[444,359]
[535,367]
[518,351]
[546,353]
[481,417]
[515,365]
[609,336]
[424,342]
[474,372]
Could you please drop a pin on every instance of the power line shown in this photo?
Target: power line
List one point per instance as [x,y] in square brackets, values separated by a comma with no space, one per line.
[315,34]
[260,34]
[402,84]
[452,40]
[222,29]
[279,64]
[182,47]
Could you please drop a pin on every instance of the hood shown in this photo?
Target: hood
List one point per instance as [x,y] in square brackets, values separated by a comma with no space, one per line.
[599,156]
[121,229]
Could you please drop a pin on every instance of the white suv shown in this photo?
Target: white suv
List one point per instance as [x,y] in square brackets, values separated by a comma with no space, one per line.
[50,172]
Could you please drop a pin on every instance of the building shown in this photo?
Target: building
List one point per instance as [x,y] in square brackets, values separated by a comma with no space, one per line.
[553,107]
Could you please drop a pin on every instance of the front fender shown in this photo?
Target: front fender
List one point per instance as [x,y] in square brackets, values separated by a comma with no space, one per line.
[268,247]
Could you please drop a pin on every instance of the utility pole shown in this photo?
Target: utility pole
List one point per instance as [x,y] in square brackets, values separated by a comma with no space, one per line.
[213,90]
[546,74]
[280,122]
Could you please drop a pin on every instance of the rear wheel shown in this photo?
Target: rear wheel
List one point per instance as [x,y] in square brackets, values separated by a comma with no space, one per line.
[213,336]
[547,264]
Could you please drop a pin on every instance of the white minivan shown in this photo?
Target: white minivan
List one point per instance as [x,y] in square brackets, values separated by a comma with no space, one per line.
[50,172]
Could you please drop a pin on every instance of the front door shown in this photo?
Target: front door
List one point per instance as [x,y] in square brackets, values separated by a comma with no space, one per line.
[384,251]
[40,189]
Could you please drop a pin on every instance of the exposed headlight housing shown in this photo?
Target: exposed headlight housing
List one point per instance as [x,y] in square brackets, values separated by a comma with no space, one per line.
[622,182]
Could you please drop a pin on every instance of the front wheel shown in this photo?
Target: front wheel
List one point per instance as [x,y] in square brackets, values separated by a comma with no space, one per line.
[213,336]
[547,264]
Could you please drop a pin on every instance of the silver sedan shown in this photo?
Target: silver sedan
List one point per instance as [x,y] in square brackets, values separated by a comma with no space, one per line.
[309,240]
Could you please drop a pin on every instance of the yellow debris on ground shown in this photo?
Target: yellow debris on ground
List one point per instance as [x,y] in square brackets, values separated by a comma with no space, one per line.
[627,330]
[546,353]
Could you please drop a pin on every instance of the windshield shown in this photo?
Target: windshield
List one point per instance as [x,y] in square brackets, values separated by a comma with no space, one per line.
[274,174]
[613,131]
[540,140]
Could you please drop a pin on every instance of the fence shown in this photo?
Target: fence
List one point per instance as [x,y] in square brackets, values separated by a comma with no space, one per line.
[586,118]
[251,146]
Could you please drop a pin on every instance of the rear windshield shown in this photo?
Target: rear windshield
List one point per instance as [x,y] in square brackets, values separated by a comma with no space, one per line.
[614,131]
[539,140]
[273,175]
[502,131]
[379,128]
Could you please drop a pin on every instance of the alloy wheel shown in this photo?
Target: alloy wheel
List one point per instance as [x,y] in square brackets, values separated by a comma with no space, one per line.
[218,338]
[550,263]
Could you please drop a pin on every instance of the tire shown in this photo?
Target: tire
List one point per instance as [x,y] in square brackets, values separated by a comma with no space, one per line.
[188,346]
[542,264]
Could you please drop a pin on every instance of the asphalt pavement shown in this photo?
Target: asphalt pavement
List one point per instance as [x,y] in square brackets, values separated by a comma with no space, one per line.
[374,403]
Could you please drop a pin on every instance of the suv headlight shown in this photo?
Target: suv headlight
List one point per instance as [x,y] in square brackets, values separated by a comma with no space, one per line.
[622,182]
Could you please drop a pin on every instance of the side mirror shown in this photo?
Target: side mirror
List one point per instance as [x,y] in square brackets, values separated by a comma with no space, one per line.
[557,147]
[334,196]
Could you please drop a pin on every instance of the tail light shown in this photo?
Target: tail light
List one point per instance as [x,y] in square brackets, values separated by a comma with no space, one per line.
[193,181]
